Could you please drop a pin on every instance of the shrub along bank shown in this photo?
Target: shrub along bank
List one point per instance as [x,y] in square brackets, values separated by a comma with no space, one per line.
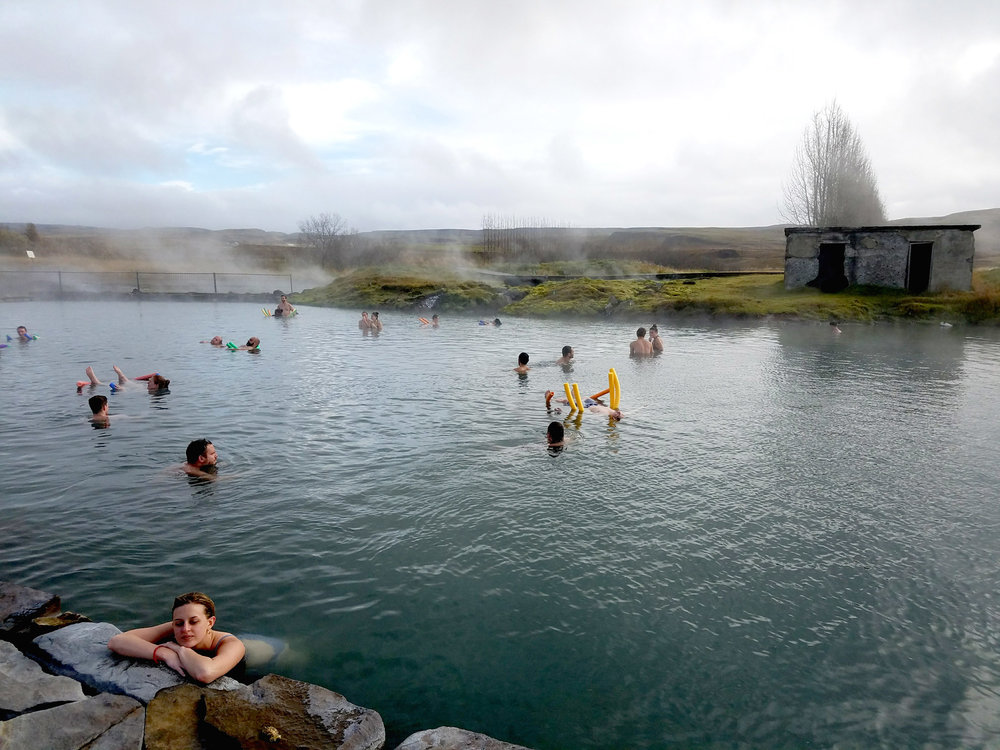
[744,296]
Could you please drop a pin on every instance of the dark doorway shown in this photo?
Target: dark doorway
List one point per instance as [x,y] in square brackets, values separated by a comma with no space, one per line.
[831,276]
[918,267]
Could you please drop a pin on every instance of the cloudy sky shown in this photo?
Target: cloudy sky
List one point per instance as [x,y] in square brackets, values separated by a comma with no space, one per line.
[412,114]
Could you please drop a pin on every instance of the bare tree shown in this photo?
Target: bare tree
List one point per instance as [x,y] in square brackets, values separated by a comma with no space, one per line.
[511,238]
[327,233]
[832,181]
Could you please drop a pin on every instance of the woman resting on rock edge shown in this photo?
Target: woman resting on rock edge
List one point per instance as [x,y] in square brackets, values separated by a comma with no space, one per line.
[196,650]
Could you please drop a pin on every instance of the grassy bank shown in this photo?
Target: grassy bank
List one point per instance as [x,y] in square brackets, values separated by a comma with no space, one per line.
[753,296]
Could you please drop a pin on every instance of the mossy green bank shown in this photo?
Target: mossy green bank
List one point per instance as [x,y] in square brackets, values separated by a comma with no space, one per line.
[734,296]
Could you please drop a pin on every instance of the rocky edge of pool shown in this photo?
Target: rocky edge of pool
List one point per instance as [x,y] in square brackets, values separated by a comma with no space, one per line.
[60,686]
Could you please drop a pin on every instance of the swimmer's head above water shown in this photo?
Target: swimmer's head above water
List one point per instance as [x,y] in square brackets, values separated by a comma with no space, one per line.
[157,383]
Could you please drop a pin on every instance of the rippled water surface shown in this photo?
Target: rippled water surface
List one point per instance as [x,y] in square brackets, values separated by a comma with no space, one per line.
[789,541]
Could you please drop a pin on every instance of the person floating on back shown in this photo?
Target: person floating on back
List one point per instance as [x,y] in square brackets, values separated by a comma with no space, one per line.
[155,383]
[592,405]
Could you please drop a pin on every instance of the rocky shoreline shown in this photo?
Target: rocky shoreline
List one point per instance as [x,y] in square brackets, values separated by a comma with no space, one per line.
[62,689]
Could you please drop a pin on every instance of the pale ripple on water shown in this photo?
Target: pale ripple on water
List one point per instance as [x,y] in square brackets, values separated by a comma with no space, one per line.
[789,541]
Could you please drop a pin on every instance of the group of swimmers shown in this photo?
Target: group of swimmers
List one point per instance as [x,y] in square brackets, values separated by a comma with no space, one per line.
[370,324]
[640,347]
[155,383]
[188,643]
[555,434]
[252,345]
[201,457]
[564,361]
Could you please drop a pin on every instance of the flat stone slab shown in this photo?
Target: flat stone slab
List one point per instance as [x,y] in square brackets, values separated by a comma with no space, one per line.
[24,686]
[453,738]
[103,722]
[81,651]
[19,605]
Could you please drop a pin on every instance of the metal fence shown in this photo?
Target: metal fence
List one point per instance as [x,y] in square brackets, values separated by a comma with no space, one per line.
[61,283]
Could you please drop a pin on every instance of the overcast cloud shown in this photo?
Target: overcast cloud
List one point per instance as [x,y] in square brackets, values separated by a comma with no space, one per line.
[411,114]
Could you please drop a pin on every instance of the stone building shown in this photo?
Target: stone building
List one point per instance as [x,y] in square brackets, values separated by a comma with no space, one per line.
[921,258]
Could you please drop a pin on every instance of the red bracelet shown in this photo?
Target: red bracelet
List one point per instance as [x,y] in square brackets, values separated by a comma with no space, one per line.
[155,660]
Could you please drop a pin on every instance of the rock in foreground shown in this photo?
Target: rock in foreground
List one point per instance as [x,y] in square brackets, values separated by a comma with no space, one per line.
[453,738]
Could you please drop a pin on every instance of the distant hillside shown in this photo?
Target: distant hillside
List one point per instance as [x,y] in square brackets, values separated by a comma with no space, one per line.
[679,248]
[987,238]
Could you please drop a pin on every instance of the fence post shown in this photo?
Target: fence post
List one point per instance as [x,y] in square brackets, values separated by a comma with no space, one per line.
[60,283]
[138,288]
[215,283]
[290,287]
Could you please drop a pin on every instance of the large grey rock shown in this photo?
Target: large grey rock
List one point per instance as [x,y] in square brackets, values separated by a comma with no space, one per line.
[127,734]
[81,651]
[453,738]
[24,686]
[91,723]
[288,713]
[19,605]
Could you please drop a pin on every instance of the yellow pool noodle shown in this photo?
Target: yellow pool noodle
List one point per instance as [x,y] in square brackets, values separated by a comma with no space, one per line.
[569,397]
[616,388]
[576,397]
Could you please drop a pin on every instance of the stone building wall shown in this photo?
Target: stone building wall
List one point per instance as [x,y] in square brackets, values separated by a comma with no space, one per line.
[879,256]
